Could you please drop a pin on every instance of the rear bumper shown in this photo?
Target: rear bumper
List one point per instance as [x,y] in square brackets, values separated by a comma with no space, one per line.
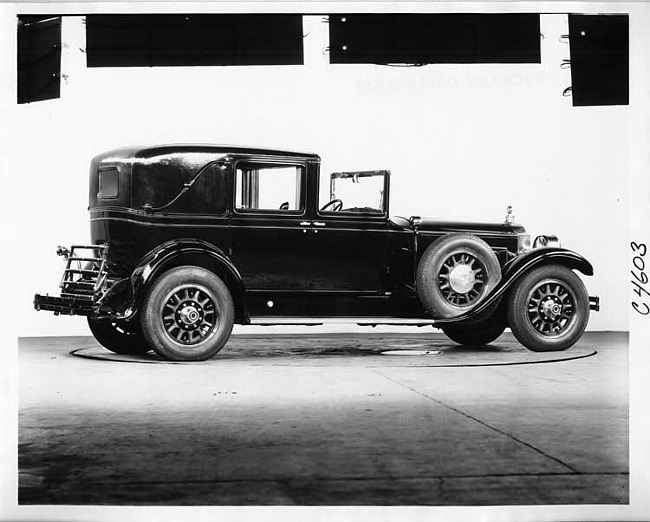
[84,283]
[64,305]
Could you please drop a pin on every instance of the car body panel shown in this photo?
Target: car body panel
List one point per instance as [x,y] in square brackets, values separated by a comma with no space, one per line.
[159,206]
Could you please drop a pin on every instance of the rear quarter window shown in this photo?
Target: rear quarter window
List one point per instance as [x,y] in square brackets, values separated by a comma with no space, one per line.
[109,184]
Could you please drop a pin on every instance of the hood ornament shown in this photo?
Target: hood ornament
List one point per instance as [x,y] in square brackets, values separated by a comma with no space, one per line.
[510,217]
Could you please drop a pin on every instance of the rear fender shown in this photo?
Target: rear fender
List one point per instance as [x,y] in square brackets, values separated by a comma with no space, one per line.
[191,252]
[515,270]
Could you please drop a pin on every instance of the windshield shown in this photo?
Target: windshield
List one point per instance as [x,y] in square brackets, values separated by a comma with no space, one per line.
[361,192]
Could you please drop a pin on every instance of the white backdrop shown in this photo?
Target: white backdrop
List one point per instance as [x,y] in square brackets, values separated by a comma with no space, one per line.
[462,142]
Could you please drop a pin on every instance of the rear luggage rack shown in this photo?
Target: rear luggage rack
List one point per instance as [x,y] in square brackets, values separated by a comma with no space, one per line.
[83,284]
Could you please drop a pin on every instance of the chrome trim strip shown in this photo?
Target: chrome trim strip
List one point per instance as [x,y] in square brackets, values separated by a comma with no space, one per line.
[318,292]
[228,224]
[280,320]
[151,224]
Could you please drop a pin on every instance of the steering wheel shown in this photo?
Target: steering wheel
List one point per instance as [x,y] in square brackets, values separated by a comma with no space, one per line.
[336,205]
[284,206]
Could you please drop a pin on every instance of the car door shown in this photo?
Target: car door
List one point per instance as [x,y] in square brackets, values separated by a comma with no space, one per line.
[348,246]
[349,254]
[269,235]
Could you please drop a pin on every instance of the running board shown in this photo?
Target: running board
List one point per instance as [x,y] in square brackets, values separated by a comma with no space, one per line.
[361,321]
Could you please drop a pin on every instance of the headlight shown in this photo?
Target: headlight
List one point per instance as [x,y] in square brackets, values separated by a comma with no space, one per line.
[546,241]
[523,243]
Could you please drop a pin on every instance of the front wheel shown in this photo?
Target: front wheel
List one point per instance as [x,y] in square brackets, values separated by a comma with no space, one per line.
[120,338]
[188,314]
[548,309]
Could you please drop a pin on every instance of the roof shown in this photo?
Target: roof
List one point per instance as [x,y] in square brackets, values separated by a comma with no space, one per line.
[159,150]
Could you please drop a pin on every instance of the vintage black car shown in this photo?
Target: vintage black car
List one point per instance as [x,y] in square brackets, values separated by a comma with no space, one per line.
[187,240]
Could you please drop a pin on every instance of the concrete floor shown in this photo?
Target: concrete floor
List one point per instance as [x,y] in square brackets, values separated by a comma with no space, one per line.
[330,427]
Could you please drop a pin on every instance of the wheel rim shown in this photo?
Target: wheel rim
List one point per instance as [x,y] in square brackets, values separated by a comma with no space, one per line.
[462,279]
[189,314]
[551,308]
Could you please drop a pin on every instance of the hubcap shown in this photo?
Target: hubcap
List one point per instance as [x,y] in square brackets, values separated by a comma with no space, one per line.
[462,279]
[189,314]
[551,307]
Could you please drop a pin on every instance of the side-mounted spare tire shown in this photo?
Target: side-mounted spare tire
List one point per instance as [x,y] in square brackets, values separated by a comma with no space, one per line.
[455,274]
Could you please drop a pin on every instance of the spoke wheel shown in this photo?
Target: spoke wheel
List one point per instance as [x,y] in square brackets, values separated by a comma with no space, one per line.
[188,314]
[461,279]
[551,307]
[548,309]
[455,274]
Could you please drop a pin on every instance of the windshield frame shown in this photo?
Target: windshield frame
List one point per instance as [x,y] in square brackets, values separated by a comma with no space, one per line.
[383,215]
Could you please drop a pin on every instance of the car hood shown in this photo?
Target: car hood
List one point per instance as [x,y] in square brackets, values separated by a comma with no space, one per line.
[426,224]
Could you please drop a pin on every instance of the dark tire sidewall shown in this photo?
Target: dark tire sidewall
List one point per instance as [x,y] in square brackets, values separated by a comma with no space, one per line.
[120,342]
[476,335]
[517,308]
[152,324]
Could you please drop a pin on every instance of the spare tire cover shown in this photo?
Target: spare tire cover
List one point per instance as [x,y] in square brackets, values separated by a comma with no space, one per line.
[455,274]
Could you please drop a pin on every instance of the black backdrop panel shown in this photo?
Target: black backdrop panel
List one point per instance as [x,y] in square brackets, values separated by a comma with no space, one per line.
[39,58]
[599,59]
[203,39]
[435,38]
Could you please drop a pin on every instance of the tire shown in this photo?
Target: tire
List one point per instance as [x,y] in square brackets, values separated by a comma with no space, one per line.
[121,338]
[478,334]
[548,309]
[188,314]
[456,273]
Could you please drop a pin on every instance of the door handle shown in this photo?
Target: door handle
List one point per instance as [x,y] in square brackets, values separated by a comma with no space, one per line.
[305,223]
[318,223]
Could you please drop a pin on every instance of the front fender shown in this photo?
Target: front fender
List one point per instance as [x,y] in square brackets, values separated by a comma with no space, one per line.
[517,268]
[549,255]
[165,255]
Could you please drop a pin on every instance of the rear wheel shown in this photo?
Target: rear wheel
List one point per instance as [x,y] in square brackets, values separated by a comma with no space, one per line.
[188,314]
[122,338]
[548,309]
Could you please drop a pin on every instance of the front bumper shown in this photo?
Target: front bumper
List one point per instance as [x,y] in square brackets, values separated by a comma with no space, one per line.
[594,303]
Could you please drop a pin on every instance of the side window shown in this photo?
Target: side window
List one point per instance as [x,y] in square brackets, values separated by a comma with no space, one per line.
[269,187]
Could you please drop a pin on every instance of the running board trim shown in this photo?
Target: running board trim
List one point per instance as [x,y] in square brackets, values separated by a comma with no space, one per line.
[364,321]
